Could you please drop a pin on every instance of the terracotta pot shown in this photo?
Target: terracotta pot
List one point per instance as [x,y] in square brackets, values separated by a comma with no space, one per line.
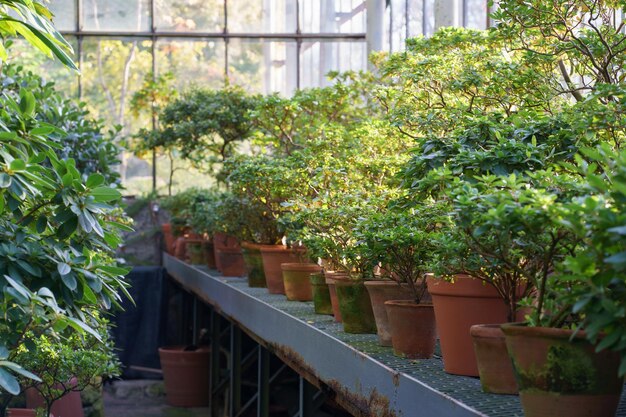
[168,238]
[209,254]
[222,241]
[355,306]
[186,376]
[379,292]
[459,306]
[231,261]
[413,330]
[562,376]
[254,264]
[68,405]
[21,412]
[273,257]
[195,251]
[180,248]
[494,364]
[297,282]
[321,294]
[331,277]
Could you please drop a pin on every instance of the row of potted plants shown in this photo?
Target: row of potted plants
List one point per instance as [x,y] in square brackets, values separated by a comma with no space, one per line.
[472,167]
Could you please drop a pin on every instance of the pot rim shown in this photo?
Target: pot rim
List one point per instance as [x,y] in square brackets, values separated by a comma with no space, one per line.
[304,267]
[522,329]
[487,331]
[407,304]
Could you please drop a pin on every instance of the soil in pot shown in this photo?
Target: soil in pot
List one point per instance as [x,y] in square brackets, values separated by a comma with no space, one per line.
[562,376]
[413,331]
[186,376]
[297,282]
[379,292]
[254,265]
[231,261]
[494,364]
[331,277]
[321,294]
[355,306]
[195,251]
[459,306]
[273,257]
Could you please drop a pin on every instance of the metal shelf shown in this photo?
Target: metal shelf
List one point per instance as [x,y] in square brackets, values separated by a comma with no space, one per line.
[368,380]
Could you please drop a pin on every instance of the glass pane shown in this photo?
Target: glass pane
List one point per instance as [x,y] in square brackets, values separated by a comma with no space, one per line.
[263,66]
[51,70]
[64,14]
[415,15]
[189,15]
[332,16]
[112,70]
[476,14]
[262,16]
[397,15]
[116,15]
[192,61]
[429,21]
[319,57]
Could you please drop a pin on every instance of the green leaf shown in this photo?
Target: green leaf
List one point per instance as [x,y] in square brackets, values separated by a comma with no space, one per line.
[104,194]
[18,369]
[27,102]
[618,258]
[17,165]
[4,352]
[70,281]
[9,382]
[5,180]
[94,180]
[42,224]
[82,327]
[63,268]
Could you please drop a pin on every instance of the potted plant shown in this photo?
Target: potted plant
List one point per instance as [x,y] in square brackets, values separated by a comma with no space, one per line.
[575,328]
[58,225]
[263,184]
[66,369]
[329,234]
[403,241]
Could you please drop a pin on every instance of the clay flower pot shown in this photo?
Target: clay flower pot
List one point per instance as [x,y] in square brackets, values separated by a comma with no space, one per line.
[21,412]
[69,405]
[321,294]
[413,330]
[168,238]
[194,248]
[209,254]
[222,241]
[180,248]
[562,375]
[254,264]
[296,280]
[331,277]
[355,306]
[379,292]
[186,376]
[492,357]
[231,261]
[273,257]
[459,306]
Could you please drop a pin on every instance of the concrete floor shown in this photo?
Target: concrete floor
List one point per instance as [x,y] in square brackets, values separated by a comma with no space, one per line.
[143,398]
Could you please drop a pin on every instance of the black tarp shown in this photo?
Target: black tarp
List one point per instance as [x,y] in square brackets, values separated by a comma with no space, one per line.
[139,329]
